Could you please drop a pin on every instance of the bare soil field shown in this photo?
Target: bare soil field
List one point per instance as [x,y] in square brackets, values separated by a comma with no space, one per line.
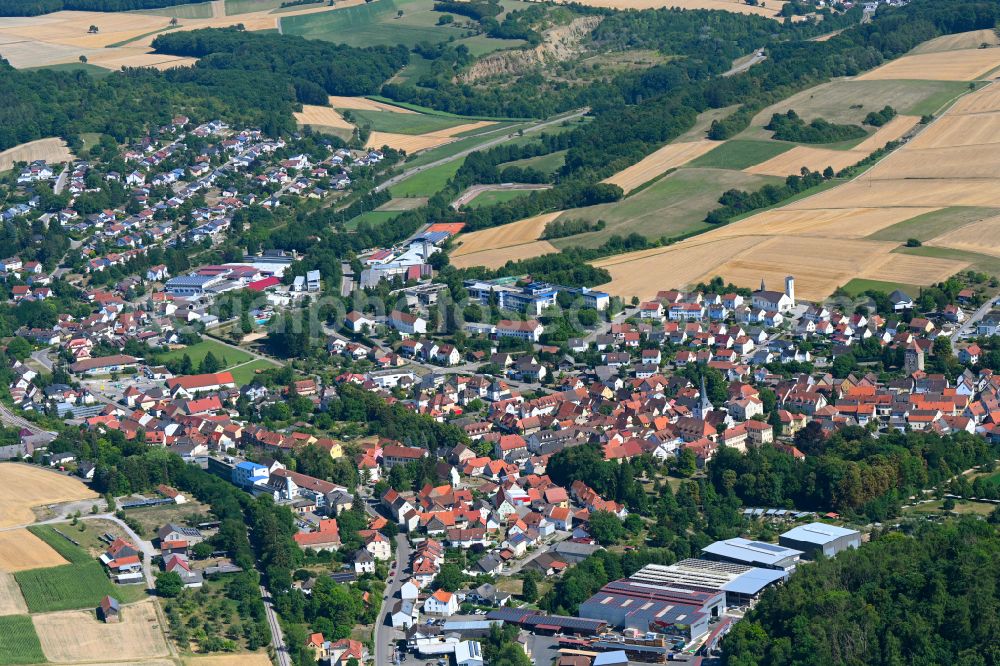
[50,150]
[78,636]
[246,659]
[365,104]
[982,237]
[817,159]
[322,115]
[771,10]
[21,550]
[913,269]
[669,156]
[26,486]
[961,65]
[957,42]
[516,233]
[11,601]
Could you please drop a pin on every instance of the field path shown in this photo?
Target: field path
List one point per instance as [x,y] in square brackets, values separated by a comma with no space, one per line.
[395,180]
[475,190]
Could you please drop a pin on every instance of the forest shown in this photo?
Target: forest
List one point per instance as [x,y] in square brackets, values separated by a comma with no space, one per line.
[932,597]
[849,471]
[316,68]
[39,7]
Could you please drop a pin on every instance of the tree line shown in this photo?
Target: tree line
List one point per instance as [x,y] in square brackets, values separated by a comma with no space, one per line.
[39,7]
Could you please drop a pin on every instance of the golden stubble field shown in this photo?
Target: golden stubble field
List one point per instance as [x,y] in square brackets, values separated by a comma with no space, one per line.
[25,486]
[21,550]
[670,156]
[50,150]
[959,65]
[495,246]
[823,240]
[769,8]
[413,143]
[78,636]
[11,600]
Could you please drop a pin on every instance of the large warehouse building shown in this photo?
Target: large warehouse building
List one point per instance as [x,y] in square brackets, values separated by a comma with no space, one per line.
[753,554]
[742,585]
[816,538]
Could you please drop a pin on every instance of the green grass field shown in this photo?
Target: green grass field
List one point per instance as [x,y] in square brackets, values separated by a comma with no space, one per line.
[739,154]
[138,37]
[429,182]
[234,7]
[703,122]
[245,373]
[198,10]
[859,286]
[199,351]
[672,206]
[547,163]
[93,70]
[931,225]
[18,641]
[481,44]
[372,24]
[404,123]
[71,553]
[71,586]
[493,197]
[373,217]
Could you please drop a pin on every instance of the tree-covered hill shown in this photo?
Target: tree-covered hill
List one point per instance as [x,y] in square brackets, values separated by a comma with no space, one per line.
[929,598]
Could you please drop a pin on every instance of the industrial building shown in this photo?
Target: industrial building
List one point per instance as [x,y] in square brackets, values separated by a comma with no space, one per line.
[648,606]
[541,623]
[742,584]
[753,553]
[816,538]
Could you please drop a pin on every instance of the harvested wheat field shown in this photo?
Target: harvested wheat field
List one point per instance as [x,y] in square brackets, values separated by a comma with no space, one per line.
[963,65]
[118,58]
[817,159]
[365,104]
[11,600]
[958,41]
[871,191]
[411,143]
[50,150]
[77,636]
[982,101]
[982,237]
[961,162]
[913,269]
[246,659]
[829,222]
[21,550]
[495,246]
[960,129]
[497,258]
[25,486]
[322,115]
[668,157]
[771,11]
[645,272]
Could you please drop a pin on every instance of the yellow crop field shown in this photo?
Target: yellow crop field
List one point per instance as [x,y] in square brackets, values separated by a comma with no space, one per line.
[963,162]
[321,115]
[515,233]
[669,156]
[818,264]
[961,65]
[828,222]
[870,191]
[497,258]
[78,636]
[817,159]
[413,143]
[771,10]
[11,601]
[982,237]
[960,129]
[21,550]
[958,41]
[25,486]
[118,58]
[365,104]
[50,150]
[246,659]
[913,269]
[986,99]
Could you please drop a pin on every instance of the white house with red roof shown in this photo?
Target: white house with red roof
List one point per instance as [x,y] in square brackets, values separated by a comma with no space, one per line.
[441,602]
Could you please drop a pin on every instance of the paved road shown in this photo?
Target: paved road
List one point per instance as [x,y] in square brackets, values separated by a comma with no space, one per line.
[384,633]
[968,328]
[61,180]
[277,638]
[474,191]
[758,57]
[395,180]
[43,359]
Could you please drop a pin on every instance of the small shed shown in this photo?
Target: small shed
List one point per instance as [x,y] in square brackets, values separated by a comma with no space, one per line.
[110,609]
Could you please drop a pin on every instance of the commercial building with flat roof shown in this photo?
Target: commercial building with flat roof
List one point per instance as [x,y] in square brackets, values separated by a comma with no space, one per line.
[753,553]
[742,584]
[816,538]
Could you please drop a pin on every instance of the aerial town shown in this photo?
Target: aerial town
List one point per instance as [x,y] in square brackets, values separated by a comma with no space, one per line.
[440,333]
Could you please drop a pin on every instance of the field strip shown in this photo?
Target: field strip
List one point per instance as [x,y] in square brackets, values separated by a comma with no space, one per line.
[411,143]
[962,65]
[365,104]
[11,599]
[21,550]
[825,222]
[75,636]
[982,237]
[497,258]
[246,659]
[51,150]
[668,157]
[960,129]
[24,486]
[772,10]
[321,115]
